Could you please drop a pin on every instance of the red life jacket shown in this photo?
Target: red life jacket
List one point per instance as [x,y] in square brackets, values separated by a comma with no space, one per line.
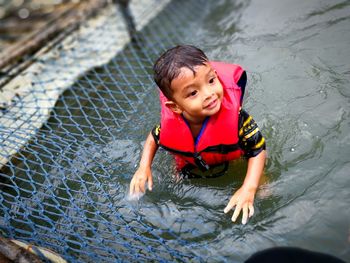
[217,141]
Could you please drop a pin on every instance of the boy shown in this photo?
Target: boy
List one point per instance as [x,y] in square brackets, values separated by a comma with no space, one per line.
[202,123]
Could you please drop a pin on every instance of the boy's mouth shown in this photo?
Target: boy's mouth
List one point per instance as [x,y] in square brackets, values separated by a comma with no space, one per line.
[211,105]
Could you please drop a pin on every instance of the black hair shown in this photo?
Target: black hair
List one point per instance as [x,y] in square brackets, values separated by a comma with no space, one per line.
[168,65]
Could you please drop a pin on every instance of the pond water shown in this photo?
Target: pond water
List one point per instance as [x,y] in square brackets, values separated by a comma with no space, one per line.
[297,57]
[68,189]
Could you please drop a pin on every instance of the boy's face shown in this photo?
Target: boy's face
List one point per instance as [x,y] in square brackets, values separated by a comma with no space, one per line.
[196,95]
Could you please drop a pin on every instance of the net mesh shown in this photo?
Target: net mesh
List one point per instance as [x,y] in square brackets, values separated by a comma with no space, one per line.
[63,189]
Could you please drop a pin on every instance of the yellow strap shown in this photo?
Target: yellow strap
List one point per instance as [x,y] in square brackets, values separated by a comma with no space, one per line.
[245,124]
[251,134]
[259,144]
[157,131]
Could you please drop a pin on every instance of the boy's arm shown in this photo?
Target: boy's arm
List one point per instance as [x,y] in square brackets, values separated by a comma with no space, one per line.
[243,198]
[144,174]
[253,144]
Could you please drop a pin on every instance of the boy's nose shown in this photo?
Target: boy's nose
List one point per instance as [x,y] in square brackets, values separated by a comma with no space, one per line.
[208,92]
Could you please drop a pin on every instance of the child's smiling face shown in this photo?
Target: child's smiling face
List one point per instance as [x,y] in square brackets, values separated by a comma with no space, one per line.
[197,95]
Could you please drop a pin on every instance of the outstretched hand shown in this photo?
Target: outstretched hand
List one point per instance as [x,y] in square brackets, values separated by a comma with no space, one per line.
[242,200]
[138,182]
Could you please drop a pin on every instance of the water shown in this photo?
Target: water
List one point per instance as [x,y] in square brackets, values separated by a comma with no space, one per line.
[297,57]
[296,54]
[72,181]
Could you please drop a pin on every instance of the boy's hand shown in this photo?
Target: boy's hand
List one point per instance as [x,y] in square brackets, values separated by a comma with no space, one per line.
[144,173]
[243,199]
[138,182]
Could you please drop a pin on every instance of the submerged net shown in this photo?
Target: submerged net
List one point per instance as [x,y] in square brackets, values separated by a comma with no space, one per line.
[63,189]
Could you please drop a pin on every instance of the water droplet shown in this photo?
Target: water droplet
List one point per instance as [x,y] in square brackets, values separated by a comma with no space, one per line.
[292,149]
[23,13]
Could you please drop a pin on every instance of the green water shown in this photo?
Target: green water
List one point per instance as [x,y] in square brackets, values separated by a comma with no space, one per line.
[67,190]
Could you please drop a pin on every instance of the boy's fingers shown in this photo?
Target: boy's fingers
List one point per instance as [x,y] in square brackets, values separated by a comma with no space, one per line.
[245,214]
[251,210]
[150,183]
[236,213]
[142,187]
[132,188]
[230,205]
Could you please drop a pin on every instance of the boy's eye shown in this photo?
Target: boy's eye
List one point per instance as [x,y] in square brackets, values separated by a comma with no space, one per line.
[192,93]
[211,80]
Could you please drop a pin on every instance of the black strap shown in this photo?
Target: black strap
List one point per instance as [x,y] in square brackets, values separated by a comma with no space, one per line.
[187,154]
[201,164]
[221,148]
[197,158]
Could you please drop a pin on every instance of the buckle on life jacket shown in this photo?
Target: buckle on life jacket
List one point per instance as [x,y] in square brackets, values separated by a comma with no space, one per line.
[200,162]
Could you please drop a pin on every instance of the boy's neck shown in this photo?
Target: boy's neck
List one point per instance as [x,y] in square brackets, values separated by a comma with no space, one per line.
[195,129]
[196,126]
[193,121]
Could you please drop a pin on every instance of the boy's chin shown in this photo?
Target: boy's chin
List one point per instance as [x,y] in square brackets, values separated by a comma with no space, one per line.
[214,111]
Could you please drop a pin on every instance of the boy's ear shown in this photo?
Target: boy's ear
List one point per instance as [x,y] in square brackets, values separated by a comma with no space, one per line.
[173,106]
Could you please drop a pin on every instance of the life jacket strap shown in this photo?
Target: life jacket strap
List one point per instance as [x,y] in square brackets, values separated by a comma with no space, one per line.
[222,148]
[201,164]
[197,158]
[186,154]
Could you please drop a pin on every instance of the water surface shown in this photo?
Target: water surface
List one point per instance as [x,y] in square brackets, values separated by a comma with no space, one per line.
[67,190]
[296,54]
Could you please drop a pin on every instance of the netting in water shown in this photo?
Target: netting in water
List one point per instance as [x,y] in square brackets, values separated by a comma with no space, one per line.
[65,189]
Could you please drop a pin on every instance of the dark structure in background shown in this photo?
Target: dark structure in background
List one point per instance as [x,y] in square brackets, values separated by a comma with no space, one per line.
[291,255]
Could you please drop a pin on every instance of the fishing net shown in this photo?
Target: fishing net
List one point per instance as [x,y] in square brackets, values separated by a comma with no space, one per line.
[62,175]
